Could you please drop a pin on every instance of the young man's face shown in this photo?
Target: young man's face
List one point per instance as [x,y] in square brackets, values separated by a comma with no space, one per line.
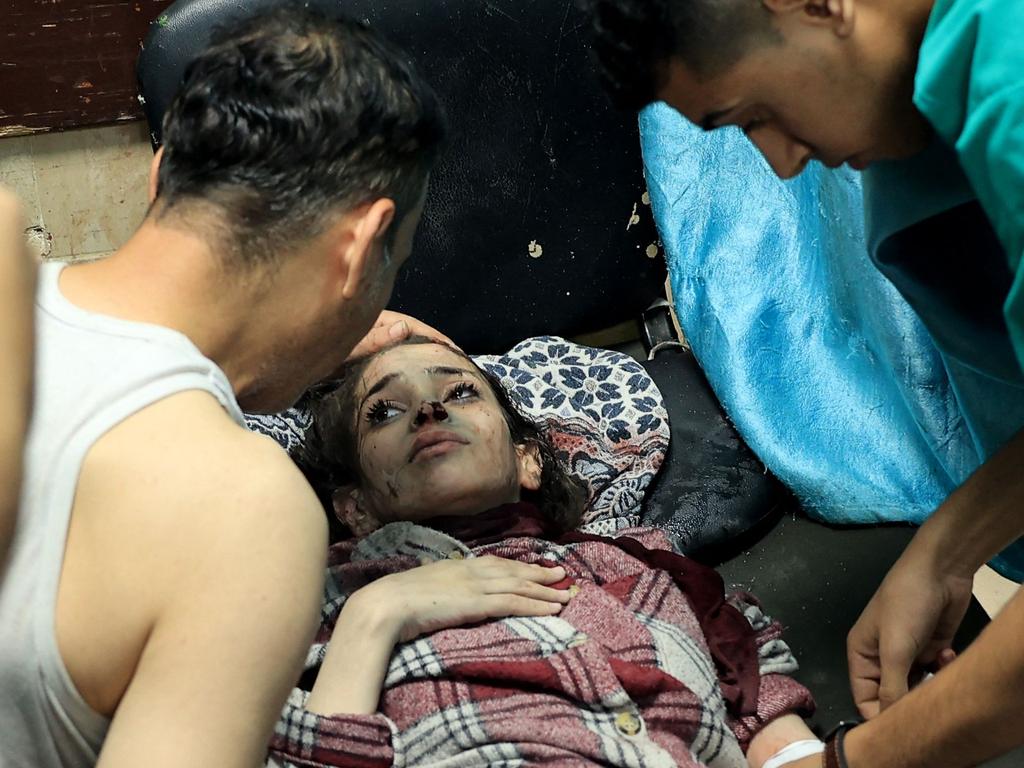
[322,337]
[814,95]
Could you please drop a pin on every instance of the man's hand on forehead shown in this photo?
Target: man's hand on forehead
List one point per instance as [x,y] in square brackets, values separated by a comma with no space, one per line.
[392,327]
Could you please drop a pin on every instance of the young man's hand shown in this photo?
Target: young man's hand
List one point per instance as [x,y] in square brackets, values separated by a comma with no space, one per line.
[453,593]
[908,625]
[392,327]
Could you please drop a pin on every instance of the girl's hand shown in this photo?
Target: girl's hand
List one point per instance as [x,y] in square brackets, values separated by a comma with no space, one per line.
[402,606]
[453,593]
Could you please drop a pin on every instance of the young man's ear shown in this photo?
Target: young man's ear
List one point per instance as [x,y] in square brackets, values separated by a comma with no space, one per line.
[349,509]
[531,466]
[837,14]
[154,174]
[368,226]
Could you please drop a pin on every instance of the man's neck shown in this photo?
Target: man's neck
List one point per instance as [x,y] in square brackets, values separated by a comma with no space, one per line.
[172,278]
[911,16]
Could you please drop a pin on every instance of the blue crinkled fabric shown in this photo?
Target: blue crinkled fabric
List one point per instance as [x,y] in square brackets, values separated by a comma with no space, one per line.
[826,371]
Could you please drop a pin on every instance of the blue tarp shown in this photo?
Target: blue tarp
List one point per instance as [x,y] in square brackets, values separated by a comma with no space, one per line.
[825,370]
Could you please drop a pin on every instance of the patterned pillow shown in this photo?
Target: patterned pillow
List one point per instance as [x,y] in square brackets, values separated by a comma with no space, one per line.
[603,413]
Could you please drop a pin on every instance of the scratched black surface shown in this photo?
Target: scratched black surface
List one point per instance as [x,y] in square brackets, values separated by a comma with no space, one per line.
[537,156]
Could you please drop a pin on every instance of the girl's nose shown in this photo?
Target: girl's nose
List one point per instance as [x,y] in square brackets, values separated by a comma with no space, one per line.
[427,411]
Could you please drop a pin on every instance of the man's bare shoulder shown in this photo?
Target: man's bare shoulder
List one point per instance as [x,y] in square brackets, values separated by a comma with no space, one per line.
[183,522]
[184,455]
[180,484]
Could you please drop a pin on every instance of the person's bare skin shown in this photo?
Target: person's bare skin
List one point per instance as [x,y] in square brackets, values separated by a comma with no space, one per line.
[167,623]
[17,287]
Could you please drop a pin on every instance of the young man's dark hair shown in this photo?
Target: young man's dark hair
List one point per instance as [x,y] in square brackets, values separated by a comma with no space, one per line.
[634,39]
[285,119]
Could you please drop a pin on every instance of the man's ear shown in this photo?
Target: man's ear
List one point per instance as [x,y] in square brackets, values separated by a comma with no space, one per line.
[369,231]
[154,174]
[837,14]
[531,466]
[349,509]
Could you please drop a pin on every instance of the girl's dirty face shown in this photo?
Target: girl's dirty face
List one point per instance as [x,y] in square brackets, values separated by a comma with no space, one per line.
[432,439]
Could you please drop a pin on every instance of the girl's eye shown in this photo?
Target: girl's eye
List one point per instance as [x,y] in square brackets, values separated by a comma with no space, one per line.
[464,390]
[382,411]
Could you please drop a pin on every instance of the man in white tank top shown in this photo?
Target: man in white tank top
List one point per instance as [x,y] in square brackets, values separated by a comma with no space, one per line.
[166,571]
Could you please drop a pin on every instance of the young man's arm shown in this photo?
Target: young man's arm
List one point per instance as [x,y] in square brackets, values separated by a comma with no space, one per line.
[972,711]
[974,708]
[916,611]
[191,588]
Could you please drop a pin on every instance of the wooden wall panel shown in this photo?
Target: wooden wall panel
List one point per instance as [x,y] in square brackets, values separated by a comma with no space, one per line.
[70,63]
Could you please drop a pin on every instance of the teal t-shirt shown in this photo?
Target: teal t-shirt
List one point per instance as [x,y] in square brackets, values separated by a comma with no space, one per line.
[970,87]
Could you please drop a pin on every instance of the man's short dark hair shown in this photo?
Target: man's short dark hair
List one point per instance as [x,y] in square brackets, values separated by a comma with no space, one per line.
[288,118]
[634,40]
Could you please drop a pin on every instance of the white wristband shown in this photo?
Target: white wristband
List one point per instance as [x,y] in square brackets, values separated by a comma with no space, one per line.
[795,751]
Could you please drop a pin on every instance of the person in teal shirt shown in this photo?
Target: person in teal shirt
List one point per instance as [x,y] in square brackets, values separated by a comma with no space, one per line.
[928,97]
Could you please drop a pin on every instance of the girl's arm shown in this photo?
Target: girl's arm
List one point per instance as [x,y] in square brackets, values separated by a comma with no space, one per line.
[403,606]
[778,734]
[352,675]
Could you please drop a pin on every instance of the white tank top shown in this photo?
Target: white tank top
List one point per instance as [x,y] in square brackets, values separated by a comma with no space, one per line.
[92,372]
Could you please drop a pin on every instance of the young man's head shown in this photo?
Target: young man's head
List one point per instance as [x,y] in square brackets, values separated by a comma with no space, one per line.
[301,139]
[418,431]
[805,79]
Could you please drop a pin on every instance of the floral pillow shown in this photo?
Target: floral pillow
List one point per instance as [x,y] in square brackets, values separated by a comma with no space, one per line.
[603,413]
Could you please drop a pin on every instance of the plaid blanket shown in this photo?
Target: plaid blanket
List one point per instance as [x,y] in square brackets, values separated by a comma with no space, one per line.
[623,676]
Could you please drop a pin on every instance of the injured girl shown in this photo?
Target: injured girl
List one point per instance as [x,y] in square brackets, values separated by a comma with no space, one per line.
[466,624]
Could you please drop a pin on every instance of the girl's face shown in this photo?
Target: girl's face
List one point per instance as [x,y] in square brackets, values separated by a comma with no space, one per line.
[432,440]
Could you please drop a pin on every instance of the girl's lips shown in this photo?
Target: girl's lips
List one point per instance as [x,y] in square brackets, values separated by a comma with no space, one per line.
[435,450]
[435,443]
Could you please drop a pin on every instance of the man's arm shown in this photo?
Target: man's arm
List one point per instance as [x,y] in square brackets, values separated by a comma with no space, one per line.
[17,283]
[192,586]
[914,614]
[972,711]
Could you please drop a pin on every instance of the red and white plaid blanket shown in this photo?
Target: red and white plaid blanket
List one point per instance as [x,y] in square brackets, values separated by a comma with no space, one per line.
[625,675]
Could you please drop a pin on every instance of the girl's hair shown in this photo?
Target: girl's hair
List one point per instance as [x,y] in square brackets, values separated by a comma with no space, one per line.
[329,455]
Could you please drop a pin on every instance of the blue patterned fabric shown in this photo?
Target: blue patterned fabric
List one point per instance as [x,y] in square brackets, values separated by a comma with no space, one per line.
[287,428]
[603,413]
[827,373]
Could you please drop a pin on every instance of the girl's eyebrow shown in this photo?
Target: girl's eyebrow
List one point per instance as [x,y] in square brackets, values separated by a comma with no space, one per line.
[384,381]
[444,370]
[438,370]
